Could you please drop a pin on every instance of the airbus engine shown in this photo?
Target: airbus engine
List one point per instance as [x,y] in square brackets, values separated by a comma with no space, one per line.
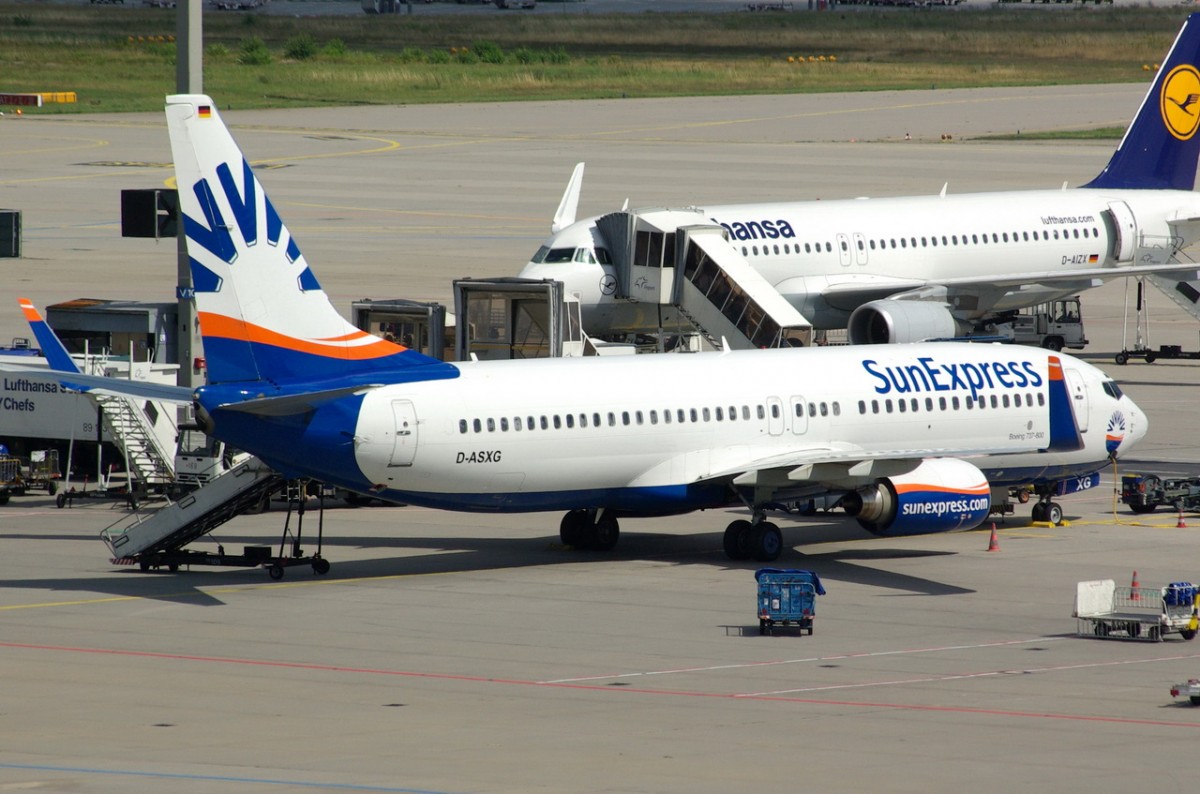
[938,496]
[885,322]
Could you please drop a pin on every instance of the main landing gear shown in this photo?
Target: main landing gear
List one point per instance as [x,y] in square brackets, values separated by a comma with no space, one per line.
[593,529]
[755,539]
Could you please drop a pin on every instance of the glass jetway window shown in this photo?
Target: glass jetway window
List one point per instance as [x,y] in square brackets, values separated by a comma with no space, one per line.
[654,249]
[730,299]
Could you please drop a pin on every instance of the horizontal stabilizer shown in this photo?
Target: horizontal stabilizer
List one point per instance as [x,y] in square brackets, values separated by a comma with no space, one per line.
[290,405]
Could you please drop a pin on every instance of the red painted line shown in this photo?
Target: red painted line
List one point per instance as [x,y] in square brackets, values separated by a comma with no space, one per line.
[597,688]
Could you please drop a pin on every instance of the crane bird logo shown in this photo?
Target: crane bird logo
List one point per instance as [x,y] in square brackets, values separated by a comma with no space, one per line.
[1179,101]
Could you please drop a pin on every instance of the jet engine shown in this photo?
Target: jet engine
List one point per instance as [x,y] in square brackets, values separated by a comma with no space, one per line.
[938,496]
[895,321]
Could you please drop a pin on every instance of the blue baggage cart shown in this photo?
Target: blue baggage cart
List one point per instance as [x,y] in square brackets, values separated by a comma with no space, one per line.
[787,598]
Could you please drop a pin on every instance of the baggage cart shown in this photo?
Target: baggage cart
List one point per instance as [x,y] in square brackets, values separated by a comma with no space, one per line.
[1103,609]
[787,598]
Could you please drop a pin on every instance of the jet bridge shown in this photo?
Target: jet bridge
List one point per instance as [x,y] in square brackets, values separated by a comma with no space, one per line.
[679,258]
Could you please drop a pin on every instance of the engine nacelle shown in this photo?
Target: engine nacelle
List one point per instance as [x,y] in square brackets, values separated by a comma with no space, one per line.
[938,496]
[885,322]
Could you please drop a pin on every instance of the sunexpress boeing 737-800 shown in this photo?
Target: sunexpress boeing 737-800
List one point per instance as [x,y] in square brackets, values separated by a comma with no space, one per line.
[914,436]
[911,268]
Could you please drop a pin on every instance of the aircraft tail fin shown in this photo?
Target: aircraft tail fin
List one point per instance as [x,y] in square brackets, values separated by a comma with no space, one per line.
[568,206]
[1161,146]
[52,348]
[262,313]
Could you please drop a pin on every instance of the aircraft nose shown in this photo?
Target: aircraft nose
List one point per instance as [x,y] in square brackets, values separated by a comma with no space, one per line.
[1137,425]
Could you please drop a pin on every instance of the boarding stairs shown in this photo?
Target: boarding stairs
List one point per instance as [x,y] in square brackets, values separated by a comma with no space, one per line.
[681,259]
[178,522]
[131,428]
[1186,294]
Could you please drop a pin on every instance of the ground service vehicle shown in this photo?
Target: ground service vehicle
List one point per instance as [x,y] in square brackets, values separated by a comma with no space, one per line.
[1139,613]
[1145,492]
[787,598]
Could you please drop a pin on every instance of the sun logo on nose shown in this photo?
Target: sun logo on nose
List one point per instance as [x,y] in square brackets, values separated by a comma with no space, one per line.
[1114,434]
[1179,101]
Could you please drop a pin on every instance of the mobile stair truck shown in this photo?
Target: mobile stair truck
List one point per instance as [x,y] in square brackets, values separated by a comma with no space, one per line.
[787,598]
[1104,609]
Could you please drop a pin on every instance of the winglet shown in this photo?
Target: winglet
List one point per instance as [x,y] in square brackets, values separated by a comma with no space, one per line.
[564,216]
[52,348]
[1161,146]
[1064,429]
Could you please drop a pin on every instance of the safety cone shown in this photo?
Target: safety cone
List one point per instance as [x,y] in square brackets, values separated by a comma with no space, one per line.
[1181,524]
[1133,588]
[993,543]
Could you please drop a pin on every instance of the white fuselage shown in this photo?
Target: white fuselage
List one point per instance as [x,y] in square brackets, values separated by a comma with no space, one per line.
[992,251]
[637,433]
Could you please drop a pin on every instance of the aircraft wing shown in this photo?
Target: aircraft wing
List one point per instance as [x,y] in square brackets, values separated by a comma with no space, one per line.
[834,465]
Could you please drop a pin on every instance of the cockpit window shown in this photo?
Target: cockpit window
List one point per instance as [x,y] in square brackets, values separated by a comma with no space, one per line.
[585,256]
[552,255]
[1112,389]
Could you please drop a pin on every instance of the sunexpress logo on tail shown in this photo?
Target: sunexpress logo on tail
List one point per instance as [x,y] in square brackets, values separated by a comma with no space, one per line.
[929,375]
[214,235]
[1179,101]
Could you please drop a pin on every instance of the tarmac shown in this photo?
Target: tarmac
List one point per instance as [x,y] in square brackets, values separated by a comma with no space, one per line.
[472,653]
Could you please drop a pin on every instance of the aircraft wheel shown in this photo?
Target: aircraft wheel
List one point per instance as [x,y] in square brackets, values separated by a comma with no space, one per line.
[736,536]
[605,534]
[1054,513]
[573,529]
[766,542]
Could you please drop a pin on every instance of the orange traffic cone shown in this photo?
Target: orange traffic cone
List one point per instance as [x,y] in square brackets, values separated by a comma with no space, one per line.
[1133,592]
[1181,524]
[993,543]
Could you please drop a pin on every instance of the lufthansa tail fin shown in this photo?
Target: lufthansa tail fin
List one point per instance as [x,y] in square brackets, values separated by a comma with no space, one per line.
[262,313]
[1161,146]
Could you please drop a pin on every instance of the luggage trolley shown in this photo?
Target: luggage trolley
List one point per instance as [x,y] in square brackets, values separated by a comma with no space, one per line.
[787,598]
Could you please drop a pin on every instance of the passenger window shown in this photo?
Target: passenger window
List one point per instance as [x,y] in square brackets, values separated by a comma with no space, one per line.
[941,403]
[625,417]
[862,407]
[720,415]
[706,414]
[807,248]
[504,424]
[775,412]
[995,401]
[491,425]
[1004,401]
[954,403]
[612,419]
[681,416]
[746,413]
[595,420]
[557,422]
[733,413]
[837,408]
[545,422]
[478,426]
[928,403]
[824,409]
[901,405]
[583,420]
[517,423]
[874,406]
[570,420]
[812,409]
[638,415]
[654,417]
[667,416]
[1041,399]
[762,414]
[695,416]
[462,425]
[887,406]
